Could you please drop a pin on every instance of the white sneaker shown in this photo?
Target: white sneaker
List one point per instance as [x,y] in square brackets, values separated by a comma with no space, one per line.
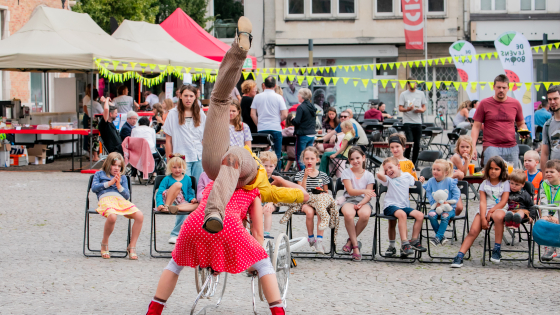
[311,242]
[319,246]
[173,240]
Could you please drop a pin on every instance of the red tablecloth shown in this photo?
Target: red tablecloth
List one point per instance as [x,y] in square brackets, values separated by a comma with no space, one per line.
[83,132]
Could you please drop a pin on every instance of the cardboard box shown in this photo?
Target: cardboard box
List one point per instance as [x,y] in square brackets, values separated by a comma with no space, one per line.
[18,160]
[38,150]
[37,160]
[4,157]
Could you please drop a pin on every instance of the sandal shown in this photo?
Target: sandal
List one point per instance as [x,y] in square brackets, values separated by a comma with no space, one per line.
[132,256]
[346,248]
[244,27]
[356,257]
[105,254]
[173,209]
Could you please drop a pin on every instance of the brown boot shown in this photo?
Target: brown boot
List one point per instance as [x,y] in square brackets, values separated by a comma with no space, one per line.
[213,223]
[244,29]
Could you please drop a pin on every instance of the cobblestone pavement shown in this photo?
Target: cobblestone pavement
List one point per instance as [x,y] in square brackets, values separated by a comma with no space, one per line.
[43,270]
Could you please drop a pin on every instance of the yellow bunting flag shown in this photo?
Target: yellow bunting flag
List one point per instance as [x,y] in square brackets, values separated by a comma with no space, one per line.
[491,85]
[282,78]
[448,59]
[438,84]
[284,70]
[353,68]
[355,82]
[557,45]
[436,61]
[328,69]
[345,80]
[115,64]
[423,63]
[384,66]
[536,48]
[456,85]
[470,57]
[359,67]
[528,85]
[447,84]
[290,70]
[106,64]
[403,64]
[334,80]
[465,85]
[310,79]
[417,63]
[322,69]
[410,63]
[333,69]
[430,62]
[495,55]
[549,46]
[264,70]
[397,64]
[245,75]
[384,82]
[511,84]
[394,84]
[442,60]
[162,67]
[374,81]
[412,84]
[365,82]
[124,66]
[547,85]
[476,56]
[188,70]
[463,59]
[429,85]
[327,80]
[300,79]
[473,85]
[315,70]
[291,77]
[402,82]
[537,86]
[378,66]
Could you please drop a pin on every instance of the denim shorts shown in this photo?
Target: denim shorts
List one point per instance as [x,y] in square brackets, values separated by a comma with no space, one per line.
[508,154]
[390,210]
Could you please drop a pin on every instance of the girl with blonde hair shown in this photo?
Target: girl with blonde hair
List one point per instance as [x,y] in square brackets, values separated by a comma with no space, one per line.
[461,120]
[175,192]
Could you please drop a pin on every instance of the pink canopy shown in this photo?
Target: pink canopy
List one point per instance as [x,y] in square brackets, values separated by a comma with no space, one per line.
[187,32]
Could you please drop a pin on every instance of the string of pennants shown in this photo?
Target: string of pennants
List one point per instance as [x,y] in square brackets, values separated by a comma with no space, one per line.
[402,83]
[210,74]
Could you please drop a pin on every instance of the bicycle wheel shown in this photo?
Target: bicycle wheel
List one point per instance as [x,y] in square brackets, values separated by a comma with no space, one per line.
[199,278]
[269,248]
[438,122]
[281,263]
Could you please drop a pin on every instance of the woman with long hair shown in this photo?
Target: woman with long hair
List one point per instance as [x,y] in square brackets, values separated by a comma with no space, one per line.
[331,120]
[461,119]
[239,132]
[304,123]
[184,130]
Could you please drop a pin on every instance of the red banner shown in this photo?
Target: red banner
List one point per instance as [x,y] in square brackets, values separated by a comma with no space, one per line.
[413,23]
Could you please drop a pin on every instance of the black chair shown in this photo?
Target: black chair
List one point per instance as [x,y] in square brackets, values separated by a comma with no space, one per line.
[523,148]
[314,255]
[153,235]
[464,191]
[381,189]
[370,127]
[372,161]
[390,121]
[543,264]
[337,163]
[261,139]
[343,255]
[287,141]
[529,231]
[428,156]
[398,126]
[89,211]
[371,121]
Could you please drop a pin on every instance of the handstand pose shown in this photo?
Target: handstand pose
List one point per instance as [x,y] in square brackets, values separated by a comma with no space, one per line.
[235,167]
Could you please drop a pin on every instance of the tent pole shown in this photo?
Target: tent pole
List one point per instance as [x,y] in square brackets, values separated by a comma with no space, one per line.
[91,123]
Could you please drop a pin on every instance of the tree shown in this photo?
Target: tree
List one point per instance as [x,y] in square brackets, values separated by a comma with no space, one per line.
[196,9]
[102,10]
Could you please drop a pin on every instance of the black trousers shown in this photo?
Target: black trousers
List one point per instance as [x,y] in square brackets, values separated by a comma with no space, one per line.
[413,133]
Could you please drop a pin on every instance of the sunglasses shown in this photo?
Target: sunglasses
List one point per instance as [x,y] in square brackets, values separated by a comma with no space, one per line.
[344,116]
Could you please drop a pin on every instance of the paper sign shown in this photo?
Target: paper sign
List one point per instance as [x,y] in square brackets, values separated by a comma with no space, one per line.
[169,89]
[187,78]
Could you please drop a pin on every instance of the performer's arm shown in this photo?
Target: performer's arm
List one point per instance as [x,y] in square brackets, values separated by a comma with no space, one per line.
[256,215]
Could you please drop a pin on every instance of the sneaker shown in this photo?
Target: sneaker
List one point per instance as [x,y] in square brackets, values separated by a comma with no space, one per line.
[319,246]
[270,237]
[444,241]
[391,251]
[457,262]
[549,254]
[516,219]
[311,241]
[155,308]
[173,240]
[435,241]
[496,256]
[417,246]
[406,250]
[508,217]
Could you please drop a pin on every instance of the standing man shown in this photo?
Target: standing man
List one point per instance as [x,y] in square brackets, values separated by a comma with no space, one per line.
[123,102]
[499,114]
[551,131]
[412,103]
[291,93]
[267,111]
[107,130]
[150,99]
[542,115]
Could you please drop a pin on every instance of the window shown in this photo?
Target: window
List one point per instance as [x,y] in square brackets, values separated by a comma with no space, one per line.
[384,6]
[436,5]
[346,6]
[295,6]
[493,5]
[533,5]
[320,6]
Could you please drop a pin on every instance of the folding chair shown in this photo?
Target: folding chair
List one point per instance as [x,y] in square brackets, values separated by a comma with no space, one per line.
[104,153]
[153,232]
[337,163]
[89,211]
[464,190]
[159,169]
[488,246]
[543,264]
[261,139]
[288,141]
[314,255]
[343,255]
[415,190]
[523,148]
[370,127]
[428,156]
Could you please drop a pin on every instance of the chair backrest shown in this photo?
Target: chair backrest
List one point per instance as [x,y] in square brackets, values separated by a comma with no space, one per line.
[389,121]
[157,182]
[416,189]
[426,172]
[428,125]
[453,137]
[523,148]
[370,121]
[429,156]
[529,188]
[288,141]
[262,138]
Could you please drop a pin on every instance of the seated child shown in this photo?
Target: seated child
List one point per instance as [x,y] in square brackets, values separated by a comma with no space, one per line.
[494,194]
[358,191]
[289,149]
[269,161]
[520,201]
[397,204]
[442,171]
[461,160]
[349,133]
[534,175]
[175,191]
[310,178]
[549,195]
[113,194]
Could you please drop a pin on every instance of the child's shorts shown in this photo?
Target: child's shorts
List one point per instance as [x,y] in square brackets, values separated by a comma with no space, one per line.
[390,210]
[355,200]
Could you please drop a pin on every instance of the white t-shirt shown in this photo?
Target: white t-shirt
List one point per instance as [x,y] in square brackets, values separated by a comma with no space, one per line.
[366,179]
[268,105]
[416,99]
[186,138]
[152,99]
[397,190]
[124,103]
[363,139]
[494,193]
[97,107]
[147,133]
[471,112]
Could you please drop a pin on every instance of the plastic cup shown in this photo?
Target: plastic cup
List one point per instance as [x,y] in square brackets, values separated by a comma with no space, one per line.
[471,169]
[510,167]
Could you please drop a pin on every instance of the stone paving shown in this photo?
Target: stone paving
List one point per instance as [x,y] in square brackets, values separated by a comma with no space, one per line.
[43,270]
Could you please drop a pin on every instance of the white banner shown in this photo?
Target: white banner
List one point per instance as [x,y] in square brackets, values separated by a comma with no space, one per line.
[517,60]
[169,90]
[466,68]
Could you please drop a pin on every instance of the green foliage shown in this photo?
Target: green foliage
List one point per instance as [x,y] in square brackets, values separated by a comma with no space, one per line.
[228,9]
[196,9]
[102,10]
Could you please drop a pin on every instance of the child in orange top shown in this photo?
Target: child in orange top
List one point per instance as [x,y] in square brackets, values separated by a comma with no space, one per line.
[534,175]
[397,144]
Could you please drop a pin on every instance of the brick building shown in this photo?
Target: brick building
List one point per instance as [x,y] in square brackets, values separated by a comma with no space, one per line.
[13,15]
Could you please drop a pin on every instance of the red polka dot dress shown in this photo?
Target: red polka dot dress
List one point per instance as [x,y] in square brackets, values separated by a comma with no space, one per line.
[232,250]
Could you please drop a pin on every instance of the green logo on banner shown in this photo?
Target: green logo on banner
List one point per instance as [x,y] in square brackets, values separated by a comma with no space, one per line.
[248,64]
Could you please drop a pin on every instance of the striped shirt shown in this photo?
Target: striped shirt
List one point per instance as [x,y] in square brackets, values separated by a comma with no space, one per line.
[313,182]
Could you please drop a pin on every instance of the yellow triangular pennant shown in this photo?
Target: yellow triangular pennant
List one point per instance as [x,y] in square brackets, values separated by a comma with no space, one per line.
[384,82]
[447,84]
[345,80]
[430,61]
[115,64]
[365,82]
[334,80]
[355,82]
[290,70]
[410,63]
[245,75]
[417,63]
[442,60]
[333,69]
[300,79]
[557,45]
[374,81]
[397,64]
[384,66]
[449,60]
[403,63]
[511,85]
[402,83]
[309,79]
[465,85]
[394,84]
[124,66]
[412,84]
[353,68]
[359,67]
[291,77]
[547,85]
[549,46]
[346,68]
[463,59]
[528,85]
[282,78]
[429,85]
[378,66]
[438,84]
[423,63]
[328,69]
[537,86]
[536,48]
[315,70]
[391,65]
[491,85]
[473,85]
[436,61]
[327,80]
[495,55]
[456,85]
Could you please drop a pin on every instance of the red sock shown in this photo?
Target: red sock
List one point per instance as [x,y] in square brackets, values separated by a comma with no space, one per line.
[155,308]
[277,310]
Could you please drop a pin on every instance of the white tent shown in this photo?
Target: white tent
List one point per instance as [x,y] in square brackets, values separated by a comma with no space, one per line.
[153,40]
[61,40]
